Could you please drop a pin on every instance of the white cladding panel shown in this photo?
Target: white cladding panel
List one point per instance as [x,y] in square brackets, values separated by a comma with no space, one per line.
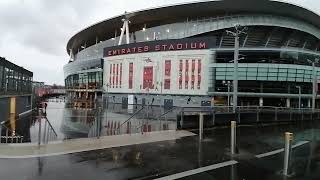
[149,71]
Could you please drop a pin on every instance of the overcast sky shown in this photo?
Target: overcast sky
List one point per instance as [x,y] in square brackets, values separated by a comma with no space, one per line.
[34,33]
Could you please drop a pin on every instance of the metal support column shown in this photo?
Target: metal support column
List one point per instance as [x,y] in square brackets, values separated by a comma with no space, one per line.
[314,87]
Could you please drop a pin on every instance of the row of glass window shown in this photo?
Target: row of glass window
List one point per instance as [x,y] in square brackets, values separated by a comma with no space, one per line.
[14,81]
[87,80]
[255,86]
[265,73]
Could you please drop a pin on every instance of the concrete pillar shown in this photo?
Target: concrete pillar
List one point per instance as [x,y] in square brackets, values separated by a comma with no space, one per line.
[261,101]
[288,103]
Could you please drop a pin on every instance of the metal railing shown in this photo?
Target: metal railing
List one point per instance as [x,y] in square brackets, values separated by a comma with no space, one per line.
[13,138]
[49,132]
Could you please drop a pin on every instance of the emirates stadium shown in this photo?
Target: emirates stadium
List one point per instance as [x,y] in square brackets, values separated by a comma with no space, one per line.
[192,54]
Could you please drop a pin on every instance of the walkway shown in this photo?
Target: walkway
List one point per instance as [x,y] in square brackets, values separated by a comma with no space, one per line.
[87,144]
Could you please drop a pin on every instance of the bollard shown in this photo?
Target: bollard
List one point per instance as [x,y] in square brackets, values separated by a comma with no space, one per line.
[200,126]
[182,117]
[44,132]
[233,137]
[287,153]
[39,133]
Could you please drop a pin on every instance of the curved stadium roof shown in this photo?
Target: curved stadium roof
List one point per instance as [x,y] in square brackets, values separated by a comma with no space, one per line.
[169,14]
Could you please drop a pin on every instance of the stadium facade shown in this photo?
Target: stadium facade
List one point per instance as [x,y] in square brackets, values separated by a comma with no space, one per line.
[183,55]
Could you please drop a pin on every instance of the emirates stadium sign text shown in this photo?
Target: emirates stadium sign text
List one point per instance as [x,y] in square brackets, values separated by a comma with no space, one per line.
[164,45]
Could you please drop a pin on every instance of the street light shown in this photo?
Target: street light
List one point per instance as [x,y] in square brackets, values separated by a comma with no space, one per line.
[238,31]
[299,87]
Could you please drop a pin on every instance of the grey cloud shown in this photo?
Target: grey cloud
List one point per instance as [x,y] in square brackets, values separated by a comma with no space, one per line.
[34,33]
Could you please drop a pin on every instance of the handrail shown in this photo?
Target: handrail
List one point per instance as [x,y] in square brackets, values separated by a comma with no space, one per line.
[162,115]
[3,124]
[54,131]
[16,136]
[131,117]
[167,112]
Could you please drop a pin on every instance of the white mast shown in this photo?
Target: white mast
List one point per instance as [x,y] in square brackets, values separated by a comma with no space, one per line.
[125,29]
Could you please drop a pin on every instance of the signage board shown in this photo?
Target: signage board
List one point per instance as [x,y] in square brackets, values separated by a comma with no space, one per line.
[162,45]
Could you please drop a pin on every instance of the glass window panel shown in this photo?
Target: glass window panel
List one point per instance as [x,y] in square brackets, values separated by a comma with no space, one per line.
[283,70]
[282,79]
[221,69]
[220,73]
[262,74]
[272,74]
[292,70]
[229,74]
[307,80]
[252,69]
[262,78]
[273,70]
[263,69]
[282,74]
[220,77]
[251,74]
[272,78]
[229,77]
[291,75]
[300,71]
[251,78]
[299,75]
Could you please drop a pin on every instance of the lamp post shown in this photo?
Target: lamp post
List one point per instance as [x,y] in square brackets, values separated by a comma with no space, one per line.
[238,31]
[314,86]
[299,87]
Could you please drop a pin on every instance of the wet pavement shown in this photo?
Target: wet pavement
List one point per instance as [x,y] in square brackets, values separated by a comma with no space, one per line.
[160,159]
[73,123]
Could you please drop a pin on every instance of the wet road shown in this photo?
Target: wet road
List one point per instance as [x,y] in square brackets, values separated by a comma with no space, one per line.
[154,160]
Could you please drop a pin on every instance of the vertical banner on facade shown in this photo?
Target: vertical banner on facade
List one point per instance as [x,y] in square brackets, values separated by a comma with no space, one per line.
[110,75]
[186,74]
[180,73]
[193,68]
[120,75]
[117,75]
[148,77]
[199,73]
[113,75]
[167,74]
[130,75]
